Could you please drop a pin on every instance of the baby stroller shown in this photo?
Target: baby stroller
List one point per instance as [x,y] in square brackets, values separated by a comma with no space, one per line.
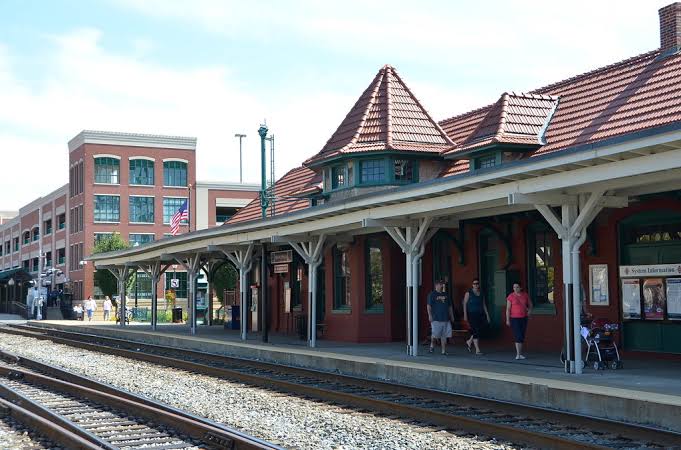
[128,315]
[601,349]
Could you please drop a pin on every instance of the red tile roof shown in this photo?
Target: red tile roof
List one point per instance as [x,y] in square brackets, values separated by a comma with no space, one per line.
[387,116]
[516,118]
[633,95]
[285,189]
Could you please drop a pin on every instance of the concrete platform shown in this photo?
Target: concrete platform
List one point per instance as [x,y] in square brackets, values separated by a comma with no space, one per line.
[645,392]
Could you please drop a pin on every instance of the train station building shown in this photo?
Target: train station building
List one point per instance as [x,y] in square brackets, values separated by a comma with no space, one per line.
[571,190]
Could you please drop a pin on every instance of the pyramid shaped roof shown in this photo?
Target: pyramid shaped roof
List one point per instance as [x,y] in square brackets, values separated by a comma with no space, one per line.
[516,118]
[387,117]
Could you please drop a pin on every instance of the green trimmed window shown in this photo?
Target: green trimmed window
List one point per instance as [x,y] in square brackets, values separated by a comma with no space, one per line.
[61,256]
[341,279]
[486,162]
[339,177]
[372,171]
[541,265]
[174,173]
[61,221]
[27,237]
[142,172]
[100,236]
[374,275]
[36,233]
[107,170]
[47,226]
[181,291]
[404,170]
[107,208]
[170,206]
[141,209]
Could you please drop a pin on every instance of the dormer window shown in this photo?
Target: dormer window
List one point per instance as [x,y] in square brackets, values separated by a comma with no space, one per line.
[339,177]
[372,171]
[404,170]
[487,161]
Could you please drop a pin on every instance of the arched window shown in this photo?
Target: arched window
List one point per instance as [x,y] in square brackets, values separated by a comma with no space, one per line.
[142,172]
[35,233]
[174,173]
[107,170]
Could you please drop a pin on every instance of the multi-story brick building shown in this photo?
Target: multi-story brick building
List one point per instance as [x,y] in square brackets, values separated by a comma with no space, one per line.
[131,184]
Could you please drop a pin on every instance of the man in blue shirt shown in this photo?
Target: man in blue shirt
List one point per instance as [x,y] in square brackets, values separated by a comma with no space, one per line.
[440,315]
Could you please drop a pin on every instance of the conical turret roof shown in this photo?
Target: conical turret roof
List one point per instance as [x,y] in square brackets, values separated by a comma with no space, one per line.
[387,117]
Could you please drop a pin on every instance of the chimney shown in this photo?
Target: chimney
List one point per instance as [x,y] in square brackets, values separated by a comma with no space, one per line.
[670,28]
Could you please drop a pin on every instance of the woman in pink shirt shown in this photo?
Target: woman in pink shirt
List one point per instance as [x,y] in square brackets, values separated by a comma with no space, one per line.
[518,307]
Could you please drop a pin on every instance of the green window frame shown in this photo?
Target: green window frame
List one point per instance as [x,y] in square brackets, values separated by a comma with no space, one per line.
[541,265]
[341,279]
[35,265]
[487,161]
[61,256]
[142,172]
[141,209]
[405,171]
[170,206]
[140,238]
[175,173]
[181,291]
[372,171]
[107,208]
[27,237]
[374,275]
[61,221]
[48,226]
[107,170]
[339,177]
[100,236]
[35,234]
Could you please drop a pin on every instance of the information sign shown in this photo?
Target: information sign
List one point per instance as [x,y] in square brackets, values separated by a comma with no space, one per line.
[674,298]
[631,299]
[654,298]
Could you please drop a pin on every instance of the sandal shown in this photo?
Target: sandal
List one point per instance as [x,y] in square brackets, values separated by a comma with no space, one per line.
[468,346]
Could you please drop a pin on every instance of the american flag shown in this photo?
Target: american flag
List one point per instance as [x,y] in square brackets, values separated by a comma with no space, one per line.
[179,216]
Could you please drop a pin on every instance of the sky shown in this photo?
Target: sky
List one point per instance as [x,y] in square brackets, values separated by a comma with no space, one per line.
[213,68]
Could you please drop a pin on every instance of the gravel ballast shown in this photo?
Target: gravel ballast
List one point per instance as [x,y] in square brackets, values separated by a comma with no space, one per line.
[280,418]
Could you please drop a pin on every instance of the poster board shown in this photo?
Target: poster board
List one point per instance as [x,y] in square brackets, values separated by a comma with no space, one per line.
[654,298]
[598,285]
[631,298]
[674,298]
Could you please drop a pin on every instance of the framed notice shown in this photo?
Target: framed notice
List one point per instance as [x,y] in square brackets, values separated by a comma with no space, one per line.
[598,285]
[674,298]
[654,298]
[631,298]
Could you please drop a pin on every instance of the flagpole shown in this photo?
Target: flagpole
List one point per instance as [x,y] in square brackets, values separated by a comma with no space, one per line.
[189,208]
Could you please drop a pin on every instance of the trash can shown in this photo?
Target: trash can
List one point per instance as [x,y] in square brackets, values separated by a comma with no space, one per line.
[177,315]
[232,318]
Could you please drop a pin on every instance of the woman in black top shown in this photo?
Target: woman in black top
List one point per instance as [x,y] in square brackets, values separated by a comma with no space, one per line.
[475,313]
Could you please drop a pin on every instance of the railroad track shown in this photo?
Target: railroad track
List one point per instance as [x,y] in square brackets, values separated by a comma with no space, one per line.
[84,414]
[520,424]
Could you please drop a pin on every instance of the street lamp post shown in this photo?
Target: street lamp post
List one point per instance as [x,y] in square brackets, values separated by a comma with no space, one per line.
[241,174]
[10,283]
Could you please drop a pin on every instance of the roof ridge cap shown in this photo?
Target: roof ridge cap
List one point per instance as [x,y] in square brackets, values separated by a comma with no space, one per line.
[501,129]
[370,103]
[389,100]
[594,71]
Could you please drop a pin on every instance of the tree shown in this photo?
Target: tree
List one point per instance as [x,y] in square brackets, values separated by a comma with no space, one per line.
[224,278]
[104,279]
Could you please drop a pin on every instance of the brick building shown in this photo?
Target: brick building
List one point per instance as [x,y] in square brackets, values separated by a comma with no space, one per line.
[126,183]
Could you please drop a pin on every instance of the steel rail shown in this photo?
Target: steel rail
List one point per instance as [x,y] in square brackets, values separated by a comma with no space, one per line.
[518,435]
[210,434]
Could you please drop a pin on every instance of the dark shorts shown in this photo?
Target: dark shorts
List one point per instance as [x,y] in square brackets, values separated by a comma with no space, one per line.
[476,322]
[519,325]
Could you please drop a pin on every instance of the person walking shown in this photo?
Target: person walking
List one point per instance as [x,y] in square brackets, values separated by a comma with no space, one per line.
[78,310]
[440,315]
[475,313]
[107,308]
[90,307]
[518,308]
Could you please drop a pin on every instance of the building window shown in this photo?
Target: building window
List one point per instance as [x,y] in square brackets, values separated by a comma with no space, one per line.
[140,287]
[107,208]
[541,265]
[27,237]
[107,170]
[339,175]
[16,244]
[485,162]
[652,233]
[35,264]
[139,239]
[47,226]
[374,275]
[170,206]
[174,173]
[61,221]
[26,264]
[141,209]
[181,291]
[100,236]
[341,279]
[223,214]
[372,171]
[142,172]
[8,248]
[61,256]
[404,170]
[36,233]
[48,259]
